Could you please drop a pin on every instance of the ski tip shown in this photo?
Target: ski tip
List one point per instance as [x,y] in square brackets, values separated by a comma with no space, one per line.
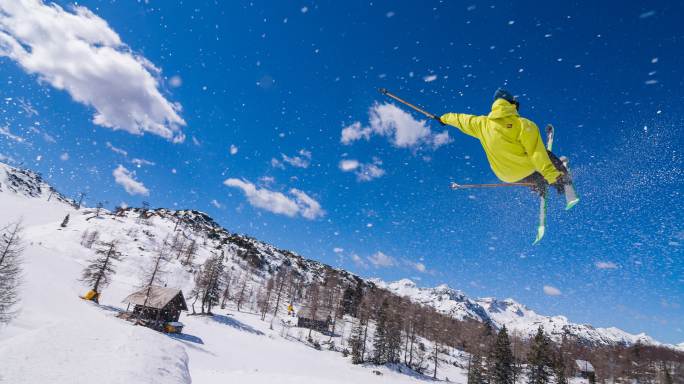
[540,235]
[571,204]
[382,90]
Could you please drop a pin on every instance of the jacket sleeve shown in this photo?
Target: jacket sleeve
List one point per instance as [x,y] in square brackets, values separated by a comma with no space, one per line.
[468,124]
[536,151]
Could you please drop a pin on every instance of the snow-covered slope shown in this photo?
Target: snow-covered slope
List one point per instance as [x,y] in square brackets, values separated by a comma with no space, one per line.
[515,316]
[58,337]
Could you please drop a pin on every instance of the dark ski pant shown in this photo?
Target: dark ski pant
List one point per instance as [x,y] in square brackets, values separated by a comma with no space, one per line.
[540,184]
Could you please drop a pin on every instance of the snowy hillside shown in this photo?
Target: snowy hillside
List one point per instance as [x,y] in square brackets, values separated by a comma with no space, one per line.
[517,317]
[58,337]
[27,194]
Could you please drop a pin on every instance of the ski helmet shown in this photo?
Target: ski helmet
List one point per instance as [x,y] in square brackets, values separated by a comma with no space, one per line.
[504,94]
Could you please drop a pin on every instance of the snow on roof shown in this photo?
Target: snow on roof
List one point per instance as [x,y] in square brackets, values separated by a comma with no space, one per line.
[159,297]
[584,366]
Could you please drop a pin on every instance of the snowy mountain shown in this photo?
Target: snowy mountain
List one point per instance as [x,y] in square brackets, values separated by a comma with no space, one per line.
[261,259]
[515,316]
[53,322]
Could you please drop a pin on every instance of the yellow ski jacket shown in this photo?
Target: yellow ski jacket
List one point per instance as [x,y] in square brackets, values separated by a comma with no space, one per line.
[512,143]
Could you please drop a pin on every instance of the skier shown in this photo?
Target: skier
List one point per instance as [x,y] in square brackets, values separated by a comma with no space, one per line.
[513,145]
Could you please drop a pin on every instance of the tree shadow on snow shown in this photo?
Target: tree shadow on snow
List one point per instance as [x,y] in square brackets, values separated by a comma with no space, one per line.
[236,324]
[186,337]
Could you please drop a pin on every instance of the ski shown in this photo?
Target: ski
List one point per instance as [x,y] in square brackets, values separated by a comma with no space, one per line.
[571,197]
[545,196]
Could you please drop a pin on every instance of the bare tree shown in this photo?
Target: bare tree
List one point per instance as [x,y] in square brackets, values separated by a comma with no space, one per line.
[264,298]
[89,238]
[282,277]
[190,252]
[11,249]
[313,300]
[98,272]
[241,294]
[153,274]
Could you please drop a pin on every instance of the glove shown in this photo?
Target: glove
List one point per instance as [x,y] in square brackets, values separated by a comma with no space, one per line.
[439,120]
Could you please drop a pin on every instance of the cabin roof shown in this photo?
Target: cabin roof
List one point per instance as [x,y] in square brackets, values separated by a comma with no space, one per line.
[159,297]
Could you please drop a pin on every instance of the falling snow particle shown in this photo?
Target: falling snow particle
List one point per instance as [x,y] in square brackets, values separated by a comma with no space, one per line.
[430,78]
[304,9]
[647,14]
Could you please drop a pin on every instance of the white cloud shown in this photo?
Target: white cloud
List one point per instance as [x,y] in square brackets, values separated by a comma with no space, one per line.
[116,150]
[358,261]
[605,265]
[233,149]
[308,207]
[140,162]
[399,126]
[126,179]
[299,203]
[6,159]
[349,165]
[78,52]
[355,132]
[368,172]
[551,290]
[216,204]
[301,160]
[420,267]
[5,131]
[381,260]
[363,171]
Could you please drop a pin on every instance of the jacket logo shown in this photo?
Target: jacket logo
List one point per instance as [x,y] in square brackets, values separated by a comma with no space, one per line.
[509,125]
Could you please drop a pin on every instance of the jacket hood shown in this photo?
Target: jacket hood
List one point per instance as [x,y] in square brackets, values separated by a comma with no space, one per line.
[502,108]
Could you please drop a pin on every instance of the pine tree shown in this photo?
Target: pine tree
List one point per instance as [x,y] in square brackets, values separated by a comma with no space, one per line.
[502,359]
[10,269]
[475,370]
[538,359]
[65,221]
[559,368]
[208,282]
[356,342]
[380,335]
[99,271]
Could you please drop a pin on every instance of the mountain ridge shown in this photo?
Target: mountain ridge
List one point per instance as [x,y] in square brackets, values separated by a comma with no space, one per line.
[263,259]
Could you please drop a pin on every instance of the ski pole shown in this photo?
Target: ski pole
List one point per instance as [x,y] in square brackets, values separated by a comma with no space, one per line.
[397,98]
[467,186]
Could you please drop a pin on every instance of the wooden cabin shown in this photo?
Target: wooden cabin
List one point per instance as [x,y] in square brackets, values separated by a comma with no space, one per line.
[320,321]
[157,306]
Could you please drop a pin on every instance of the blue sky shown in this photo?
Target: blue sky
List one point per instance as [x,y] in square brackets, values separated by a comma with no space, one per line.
[243,105]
